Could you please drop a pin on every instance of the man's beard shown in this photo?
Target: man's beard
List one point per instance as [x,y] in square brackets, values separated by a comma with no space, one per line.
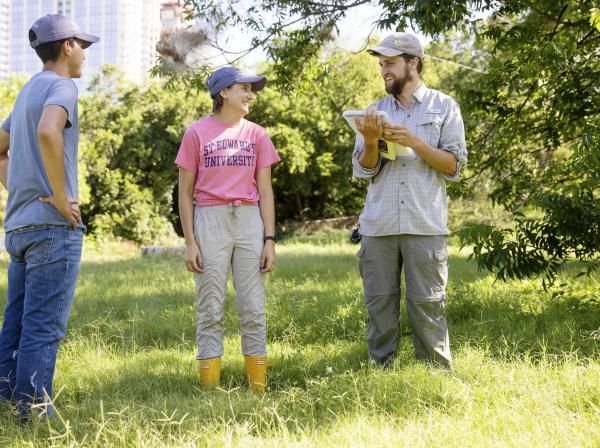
[398,84]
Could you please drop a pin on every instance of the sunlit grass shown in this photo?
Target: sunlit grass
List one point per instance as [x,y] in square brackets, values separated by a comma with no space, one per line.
[526,361]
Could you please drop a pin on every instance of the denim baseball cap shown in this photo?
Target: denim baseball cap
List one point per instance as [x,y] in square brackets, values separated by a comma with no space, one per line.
[397,44]
[54,27]
[227,76]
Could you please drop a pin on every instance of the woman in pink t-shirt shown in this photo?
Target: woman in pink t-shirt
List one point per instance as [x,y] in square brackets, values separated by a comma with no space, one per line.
[227,213]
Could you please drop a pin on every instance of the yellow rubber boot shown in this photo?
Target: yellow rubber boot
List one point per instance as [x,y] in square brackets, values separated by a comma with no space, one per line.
[256,369]
[210,371]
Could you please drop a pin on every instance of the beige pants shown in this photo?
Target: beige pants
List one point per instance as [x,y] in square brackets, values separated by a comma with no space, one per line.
[230,235]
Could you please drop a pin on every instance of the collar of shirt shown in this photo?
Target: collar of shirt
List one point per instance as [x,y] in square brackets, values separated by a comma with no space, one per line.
[417,95]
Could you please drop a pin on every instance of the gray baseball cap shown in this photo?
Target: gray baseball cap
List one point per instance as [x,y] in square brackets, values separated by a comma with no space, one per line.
[397,44]
[54,27]
[227,76]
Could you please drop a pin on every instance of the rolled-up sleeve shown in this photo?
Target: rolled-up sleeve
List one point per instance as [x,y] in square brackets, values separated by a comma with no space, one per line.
[357,169]
[452,139]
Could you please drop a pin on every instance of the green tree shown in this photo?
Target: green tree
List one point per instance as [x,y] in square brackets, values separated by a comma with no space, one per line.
[130,137]
[9,89]
[532,115]
[131,134]
[534,131]
[314,178]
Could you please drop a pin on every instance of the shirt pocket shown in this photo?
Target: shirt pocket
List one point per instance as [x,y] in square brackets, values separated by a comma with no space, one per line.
[430,128]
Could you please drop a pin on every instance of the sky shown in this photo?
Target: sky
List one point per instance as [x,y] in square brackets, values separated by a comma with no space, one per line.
[354,32]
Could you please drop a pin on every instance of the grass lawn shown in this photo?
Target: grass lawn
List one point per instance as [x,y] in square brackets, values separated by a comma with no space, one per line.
[527,362]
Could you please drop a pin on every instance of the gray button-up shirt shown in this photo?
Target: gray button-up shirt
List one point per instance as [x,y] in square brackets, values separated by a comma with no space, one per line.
[409,196]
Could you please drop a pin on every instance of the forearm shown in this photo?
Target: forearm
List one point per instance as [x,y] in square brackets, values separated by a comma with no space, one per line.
[369,158]
[53,157]
[186,215]
[4,144]
[4,170]
[440,160]
[266,205]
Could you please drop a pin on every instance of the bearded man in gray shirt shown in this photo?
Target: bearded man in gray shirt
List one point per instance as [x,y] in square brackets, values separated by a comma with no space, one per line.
[404,221]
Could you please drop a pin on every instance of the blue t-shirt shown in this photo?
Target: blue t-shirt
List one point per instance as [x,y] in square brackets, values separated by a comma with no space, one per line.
[27,178]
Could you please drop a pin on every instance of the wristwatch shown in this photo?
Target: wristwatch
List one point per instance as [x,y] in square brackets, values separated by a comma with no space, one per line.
[270,237]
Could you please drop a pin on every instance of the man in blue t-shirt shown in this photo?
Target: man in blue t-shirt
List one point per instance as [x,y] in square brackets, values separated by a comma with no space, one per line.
[44,232]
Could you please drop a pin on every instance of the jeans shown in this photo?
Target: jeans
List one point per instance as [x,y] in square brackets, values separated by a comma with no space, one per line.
[43,269]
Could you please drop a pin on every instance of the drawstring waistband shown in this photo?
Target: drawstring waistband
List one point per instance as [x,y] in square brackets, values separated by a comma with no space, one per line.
[232,208]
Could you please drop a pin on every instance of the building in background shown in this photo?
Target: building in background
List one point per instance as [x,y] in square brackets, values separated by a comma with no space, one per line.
[128,30]
[172,15]
[4,38]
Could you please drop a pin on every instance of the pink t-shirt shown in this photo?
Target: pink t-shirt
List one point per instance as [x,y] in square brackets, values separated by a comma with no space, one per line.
[225,159]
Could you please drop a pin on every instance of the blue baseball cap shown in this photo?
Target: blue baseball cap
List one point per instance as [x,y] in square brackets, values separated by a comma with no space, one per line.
[227,76]
[55,27]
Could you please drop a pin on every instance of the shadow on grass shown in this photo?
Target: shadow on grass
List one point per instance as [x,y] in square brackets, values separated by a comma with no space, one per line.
[155,375]
[140,398]
[149,303]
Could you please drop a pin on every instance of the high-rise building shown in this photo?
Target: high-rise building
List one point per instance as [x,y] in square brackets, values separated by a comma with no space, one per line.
[128,30]
[172,14]
[4,38]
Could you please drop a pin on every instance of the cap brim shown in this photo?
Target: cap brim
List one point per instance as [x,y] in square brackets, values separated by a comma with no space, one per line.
[258,82]
[90,38]
[384,51]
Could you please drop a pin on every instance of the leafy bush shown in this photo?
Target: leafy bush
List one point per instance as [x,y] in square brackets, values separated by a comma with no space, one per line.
[130,137]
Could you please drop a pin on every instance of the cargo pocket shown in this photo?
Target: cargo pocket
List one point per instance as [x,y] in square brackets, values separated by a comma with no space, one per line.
[440,267]
[380,277]
[429,275]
